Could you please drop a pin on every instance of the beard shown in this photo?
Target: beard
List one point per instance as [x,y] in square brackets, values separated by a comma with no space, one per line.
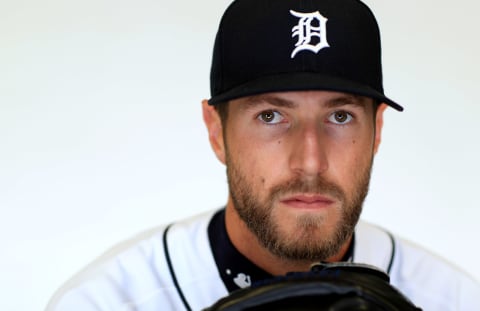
[315,237]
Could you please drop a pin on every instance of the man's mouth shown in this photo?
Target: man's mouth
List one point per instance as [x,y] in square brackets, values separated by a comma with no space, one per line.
[306,201]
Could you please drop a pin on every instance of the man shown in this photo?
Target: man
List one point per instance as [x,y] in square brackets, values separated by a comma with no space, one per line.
[296,116]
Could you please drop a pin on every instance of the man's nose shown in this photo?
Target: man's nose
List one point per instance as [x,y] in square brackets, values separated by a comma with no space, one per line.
[309,151]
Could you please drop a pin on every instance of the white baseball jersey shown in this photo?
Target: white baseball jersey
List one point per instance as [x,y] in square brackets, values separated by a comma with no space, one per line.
[173,268]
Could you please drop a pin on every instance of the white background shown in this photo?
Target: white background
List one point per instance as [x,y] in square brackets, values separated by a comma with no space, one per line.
[101,134]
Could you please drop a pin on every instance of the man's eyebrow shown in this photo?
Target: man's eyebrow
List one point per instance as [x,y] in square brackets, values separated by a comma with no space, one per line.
[353,100]
[342,100]
[268,99]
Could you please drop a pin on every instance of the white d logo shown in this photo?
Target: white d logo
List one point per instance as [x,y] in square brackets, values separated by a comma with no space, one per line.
[306,31]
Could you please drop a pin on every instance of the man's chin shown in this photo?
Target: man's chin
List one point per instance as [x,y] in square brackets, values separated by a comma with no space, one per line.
[308,224]
[309,238]
[302,250]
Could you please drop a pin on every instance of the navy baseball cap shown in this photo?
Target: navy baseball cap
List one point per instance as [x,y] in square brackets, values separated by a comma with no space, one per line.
[293,45]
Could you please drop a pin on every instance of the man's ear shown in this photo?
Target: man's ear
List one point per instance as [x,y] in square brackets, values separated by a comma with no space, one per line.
[379,126]
[215,131]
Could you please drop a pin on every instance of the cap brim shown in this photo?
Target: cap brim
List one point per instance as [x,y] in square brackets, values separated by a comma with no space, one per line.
[301,82]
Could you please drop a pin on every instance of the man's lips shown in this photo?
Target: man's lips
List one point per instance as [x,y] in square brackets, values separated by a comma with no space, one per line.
[308,201]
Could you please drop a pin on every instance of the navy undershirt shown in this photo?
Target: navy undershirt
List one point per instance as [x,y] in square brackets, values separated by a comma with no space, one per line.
[235,269]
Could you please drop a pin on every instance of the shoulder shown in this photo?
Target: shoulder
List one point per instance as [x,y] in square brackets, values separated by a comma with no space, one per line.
[136,273]
[425,276]
[428,280]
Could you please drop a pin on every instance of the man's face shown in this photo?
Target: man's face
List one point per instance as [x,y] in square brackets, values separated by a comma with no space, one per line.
[298,167]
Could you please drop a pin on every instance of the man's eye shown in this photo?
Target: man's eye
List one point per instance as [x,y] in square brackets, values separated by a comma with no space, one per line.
[270,117]
[340,117]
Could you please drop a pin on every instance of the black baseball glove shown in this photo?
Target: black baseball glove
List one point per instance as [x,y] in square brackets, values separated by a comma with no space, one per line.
[332,287]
